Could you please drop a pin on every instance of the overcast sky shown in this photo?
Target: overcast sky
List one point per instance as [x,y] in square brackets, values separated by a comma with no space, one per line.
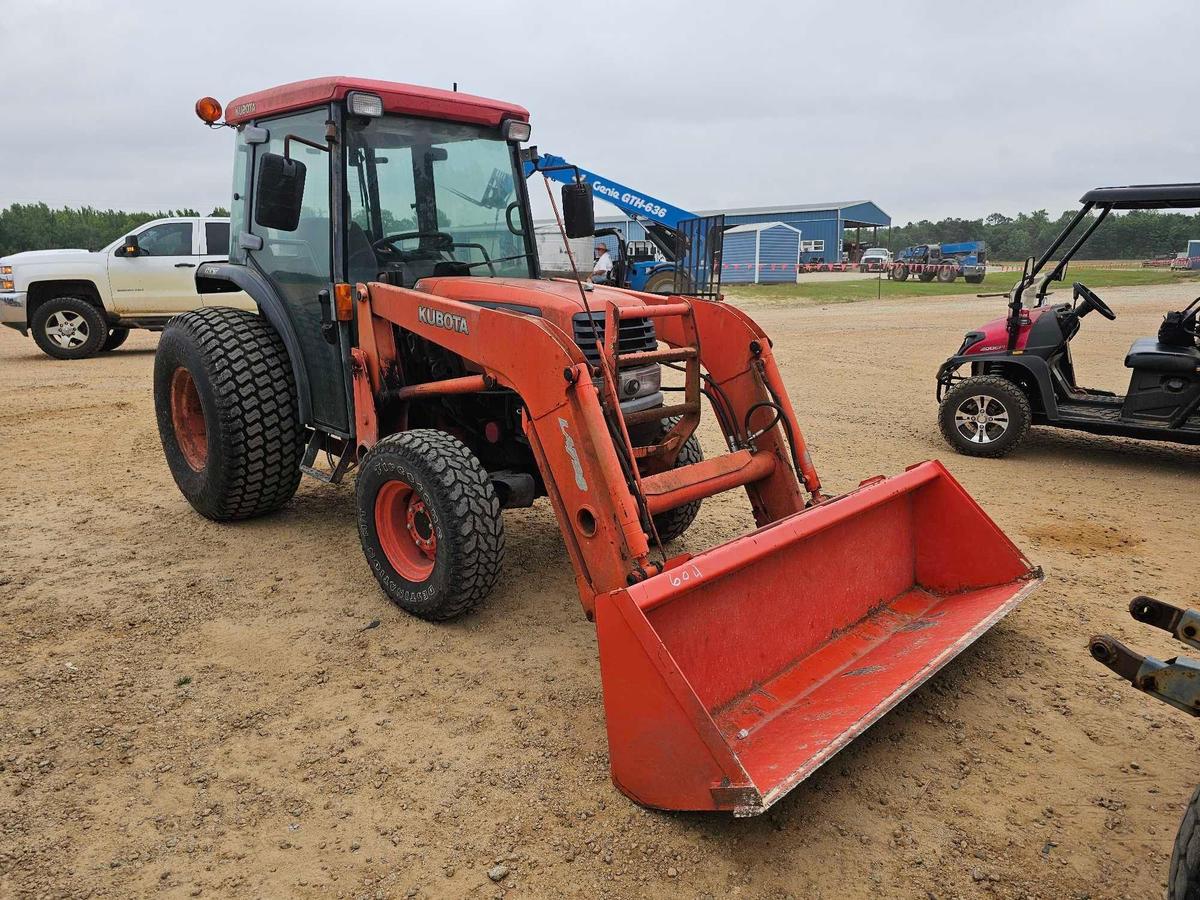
[929,109]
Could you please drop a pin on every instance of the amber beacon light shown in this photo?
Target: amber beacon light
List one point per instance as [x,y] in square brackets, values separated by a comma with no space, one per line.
[209,110]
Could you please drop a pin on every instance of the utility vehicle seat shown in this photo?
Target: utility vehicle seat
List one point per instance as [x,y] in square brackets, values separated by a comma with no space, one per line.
[1148,353]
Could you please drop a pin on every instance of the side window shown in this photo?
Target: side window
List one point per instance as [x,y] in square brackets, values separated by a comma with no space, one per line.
[216,238]
[167,239]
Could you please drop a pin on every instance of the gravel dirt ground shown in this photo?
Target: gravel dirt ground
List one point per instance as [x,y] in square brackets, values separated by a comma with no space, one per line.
[191,709]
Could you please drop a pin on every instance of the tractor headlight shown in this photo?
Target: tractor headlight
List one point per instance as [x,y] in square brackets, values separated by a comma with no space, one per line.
[515,130]
[361,104]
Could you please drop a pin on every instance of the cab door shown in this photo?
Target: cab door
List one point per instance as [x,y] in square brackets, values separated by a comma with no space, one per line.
[160,280]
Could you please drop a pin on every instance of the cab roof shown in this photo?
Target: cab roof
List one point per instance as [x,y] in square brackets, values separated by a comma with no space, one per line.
[1145,196]
[406,99]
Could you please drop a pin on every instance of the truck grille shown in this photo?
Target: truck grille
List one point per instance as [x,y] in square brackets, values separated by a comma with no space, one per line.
[635,335]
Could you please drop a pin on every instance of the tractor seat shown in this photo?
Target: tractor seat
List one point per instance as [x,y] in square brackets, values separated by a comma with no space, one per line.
[1148,353]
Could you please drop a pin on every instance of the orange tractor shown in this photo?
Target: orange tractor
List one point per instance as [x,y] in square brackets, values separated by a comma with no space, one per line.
[405,333]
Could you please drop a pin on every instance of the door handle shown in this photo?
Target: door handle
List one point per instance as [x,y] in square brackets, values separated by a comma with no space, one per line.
[185,265]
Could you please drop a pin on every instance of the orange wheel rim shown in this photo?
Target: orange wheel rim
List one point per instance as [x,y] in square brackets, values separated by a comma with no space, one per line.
[187,418]
[405,531]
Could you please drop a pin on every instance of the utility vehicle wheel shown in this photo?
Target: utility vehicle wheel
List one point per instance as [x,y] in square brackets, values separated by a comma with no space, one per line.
[973,279]
[69,328]
[926,276]
[946,275]
[984,416]
[430,523]
[674,522]
[900,273]
[116,337]
[1183,882]
[227,413]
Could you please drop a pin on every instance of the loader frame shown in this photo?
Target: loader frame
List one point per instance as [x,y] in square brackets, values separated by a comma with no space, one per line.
[578,435]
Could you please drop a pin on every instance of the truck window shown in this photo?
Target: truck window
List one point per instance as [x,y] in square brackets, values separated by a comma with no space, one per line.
[216,238]
[167,239]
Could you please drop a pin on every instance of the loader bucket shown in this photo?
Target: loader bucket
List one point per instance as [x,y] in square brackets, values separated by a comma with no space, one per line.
[733,675]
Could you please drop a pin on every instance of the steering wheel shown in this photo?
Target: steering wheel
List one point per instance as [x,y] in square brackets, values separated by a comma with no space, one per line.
[444,241]
[1091,301]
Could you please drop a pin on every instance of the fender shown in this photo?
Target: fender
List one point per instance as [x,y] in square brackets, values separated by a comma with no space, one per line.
[1034,365]
[225,278]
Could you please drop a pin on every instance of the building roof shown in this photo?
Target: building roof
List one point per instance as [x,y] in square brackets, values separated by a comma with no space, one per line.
[771,210]
[407,99]
[760,226]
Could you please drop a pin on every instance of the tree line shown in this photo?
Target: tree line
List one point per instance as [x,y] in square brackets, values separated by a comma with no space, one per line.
[37,226]
[1138,234]
[1133,235]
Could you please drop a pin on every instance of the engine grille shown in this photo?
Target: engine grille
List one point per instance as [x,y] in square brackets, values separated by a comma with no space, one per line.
[635,335]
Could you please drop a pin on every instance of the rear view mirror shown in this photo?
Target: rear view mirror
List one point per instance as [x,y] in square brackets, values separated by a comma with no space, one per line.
[279,192]
[579,220]
[131,248]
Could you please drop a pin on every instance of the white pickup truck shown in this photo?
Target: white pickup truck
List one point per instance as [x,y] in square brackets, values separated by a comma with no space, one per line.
[78,303]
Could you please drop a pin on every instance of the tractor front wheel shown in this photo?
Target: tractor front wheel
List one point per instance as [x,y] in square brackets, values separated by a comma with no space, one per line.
[674,522]
[429,522]
[228,413]
[984,415]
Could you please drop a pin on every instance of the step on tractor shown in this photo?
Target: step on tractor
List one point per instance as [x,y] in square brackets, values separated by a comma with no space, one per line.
[1175,682]
[404,333]
[1020,366]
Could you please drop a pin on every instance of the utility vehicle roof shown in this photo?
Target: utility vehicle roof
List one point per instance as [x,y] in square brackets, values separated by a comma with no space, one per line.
[1145,196]
[407,99]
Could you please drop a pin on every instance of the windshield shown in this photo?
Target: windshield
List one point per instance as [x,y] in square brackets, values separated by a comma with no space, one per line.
[432,198]
[876,251]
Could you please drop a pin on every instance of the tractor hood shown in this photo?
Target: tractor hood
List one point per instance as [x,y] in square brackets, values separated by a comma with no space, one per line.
[537,296]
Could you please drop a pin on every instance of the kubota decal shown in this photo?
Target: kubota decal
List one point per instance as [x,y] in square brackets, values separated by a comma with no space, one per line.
[569,446]
[439,319]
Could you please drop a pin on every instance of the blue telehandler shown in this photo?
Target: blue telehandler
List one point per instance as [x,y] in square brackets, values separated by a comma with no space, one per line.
[945,262]
[636,266]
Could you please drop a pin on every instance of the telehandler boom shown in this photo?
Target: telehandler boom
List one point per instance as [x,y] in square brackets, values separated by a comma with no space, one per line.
[405,333]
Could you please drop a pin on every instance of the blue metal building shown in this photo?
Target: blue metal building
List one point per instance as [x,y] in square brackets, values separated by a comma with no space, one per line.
[827,229]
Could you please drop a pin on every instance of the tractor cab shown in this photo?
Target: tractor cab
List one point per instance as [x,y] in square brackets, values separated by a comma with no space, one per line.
[1021,371]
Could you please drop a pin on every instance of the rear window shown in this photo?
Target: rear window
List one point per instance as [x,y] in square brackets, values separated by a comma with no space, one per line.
[216,236]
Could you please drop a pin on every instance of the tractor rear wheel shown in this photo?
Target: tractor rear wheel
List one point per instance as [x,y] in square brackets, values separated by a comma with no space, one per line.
[674,522]
[661,283]
[984,415]
[429,522]
[1183,882]
[227,413]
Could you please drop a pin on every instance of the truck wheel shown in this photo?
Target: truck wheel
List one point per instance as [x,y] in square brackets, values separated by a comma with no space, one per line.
[69,328]
[429,522]
[1183,882]
[925,276]
[900,273]
[674,522]
[985,415]
[946,275]
[227,413]
[116,337]
[973,279]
